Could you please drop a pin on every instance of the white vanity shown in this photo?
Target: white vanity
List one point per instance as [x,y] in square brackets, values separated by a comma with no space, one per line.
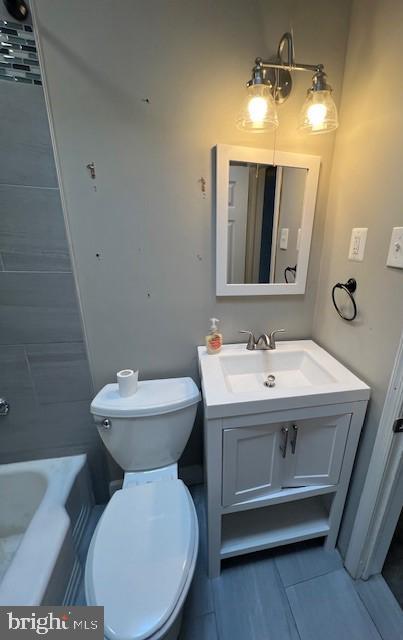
[278,458]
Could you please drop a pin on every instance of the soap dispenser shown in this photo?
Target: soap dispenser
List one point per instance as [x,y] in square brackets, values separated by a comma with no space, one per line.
[214,338]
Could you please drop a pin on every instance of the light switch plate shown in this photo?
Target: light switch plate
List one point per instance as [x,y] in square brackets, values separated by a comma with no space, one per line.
[284,238]
[395,256]
[357,244]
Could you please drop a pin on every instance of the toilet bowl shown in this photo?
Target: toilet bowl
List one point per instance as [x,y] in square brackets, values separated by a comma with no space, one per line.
[141,560]
[143,552]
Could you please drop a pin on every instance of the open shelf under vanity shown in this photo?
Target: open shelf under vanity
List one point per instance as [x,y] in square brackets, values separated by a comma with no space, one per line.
[284,495]
[274,525]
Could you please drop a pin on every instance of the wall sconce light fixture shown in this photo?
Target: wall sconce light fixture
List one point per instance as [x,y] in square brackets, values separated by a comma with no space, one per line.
[271,84]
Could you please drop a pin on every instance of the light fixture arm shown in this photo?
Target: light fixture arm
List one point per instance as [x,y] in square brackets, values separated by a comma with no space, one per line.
[290,64]
[288,40]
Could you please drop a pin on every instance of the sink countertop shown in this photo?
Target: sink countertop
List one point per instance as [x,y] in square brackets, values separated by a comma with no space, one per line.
[306,375]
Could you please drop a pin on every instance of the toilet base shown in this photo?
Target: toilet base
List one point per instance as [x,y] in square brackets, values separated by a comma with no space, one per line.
[153,475]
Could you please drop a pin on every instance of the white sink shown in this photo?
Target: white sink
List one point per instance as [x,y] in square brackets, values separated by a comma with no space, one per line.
[304,373]
[244,372]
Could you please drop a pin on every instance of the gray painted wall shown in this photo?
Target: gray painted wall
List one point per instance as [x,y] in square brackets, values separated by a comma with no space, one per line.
[366,191]
[144,239]
[43,364]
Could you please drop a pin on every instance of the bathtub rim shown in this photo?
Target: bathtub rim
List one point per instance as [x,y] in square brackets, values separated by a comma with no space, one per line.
[26,579]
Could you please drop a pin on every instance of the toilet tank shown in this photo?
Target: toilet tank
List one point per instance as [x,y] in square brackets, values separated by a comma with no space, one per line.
[149,429]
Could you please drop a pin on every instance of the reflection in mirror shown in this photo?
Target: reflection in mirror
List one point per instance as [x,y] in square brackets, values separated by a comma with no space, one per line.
[265,206]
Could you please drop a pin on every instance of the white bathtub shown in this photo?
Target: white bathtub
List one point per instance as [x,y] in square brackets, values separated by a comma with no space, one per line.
[44,507]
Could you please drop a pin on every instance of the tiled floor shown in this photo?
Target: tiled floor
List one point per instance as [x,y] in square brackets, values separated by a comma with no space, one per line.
[393,567]
[296,593]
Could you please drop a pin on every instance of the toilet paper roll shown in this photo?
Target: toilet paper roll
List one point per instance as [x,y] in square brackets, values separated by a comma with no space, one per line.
[127,381]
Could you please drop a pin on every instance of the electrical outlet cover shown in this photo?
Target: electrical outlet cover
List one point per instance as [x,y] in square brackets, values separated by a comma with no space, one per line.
[284,238]
[395,256]
[357,244]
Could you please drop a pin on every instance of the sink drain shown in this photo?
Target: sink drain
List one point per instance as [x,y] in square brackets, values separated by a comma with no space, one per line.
[270,381]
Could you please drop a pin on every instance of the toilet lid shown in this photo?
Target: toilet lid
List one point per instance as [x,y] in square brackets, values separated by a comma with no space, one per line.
[139,558]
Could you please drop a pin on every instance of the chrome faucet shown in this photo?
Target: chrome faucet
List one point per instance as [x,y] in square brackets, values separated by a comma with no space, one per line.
[264,342]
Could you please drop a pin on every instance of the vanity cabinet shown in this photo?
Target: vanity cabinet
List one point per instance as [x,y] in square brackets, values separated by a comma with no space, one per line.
[278,460]
[264,459]
[278,477]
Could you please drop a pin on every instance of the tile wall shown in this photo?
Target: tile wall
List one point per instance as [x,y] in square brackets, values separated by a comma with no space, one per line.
[44,370]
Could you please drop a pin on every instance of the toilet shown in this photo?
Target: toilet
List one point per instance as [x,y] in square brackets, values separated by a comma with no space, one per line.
[142,556]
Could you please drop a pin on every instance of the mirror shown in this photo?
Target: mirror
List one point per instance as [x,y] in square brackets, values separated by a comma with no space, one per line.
[264,221]
[265,214]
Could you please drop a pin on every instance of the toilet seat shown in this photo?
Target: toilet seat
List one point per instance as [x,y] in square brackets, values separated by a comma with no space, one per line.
[141,558]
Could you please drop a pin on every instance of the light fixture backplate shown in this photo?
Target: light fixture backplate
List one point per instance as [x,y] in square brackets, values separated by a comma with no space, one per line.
[281,82]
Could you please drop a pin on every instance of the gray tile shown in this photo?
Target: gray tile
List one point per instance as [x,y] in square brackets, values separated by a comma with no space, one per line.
[250,601]
[32,231]
[67,423]
[329,607]
[14,371]
[80,600]
[60,372]
[26,155]
[199,498]
[95,515]
[382,607]
[16,387]
[33,431]
[200,597]
[97,463]
[38,308]
[304,561]
[199,628]
[54,428]
[392,570]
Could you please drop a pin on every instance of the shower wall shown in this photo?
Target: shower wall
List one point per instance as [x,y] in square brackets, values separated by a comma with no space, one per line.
[44,370]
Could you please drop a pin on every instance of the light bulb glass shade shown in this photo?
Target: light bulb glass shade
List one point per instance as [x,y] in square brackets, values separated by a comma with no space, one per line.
[258,112]
[318,113]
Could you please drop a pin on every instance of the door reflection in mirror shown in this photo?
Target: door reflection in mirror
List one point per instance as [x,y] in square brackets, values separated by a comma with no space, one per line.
[265,205]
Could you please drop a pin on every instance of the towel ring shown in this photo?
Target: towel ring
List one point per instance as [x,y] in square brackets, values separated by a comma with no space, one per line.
[349,287]
[292,271]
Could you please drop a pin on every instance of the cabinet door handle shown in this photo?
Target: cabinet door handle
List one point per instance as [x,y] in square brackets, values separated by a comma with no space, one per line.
[283,447]
[294,438]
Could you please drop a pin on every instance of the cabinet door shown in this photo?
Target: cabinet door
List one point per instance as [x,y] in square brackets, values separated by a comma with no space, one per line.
[251,462]
[316,450]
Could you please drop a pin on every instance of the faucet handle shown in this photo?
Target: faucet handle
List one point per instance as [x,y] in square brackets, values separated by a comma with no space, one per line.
[251,340]
[272,333]
[272,337]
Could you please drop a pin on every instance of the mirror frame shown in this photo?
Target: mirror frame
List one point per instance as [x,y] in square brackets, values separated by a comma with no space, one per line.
[224,154]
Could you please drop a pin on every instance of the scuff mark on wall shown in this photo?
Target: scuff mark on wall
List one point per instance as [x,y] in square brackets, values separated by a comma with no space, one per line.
[203,185]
